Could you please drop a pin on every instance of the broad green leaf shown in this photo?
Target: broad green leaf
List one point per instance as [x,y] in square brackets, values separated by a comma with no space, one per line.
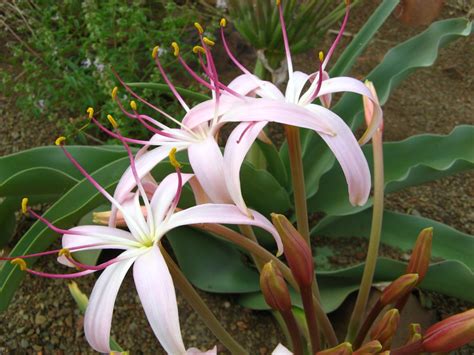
[444,277]
[347,59]
[65,212]
[401,231]
[275,165]
[165,89]
[417,52]
[91,158]
[7,216]
[415,160]
[211,264]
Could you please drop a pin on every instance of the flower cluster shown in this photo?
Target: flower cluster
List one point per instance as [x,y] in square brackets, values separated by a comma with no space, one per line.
[149,209]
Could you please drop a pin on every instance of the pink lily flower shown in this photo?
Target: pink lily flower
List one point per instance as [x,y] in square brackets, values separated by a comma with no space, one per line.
[254,102]
[140,245]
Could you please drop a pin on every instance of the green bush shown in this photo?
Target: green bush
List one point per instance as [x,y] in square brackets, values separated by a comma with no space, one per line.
[66,50]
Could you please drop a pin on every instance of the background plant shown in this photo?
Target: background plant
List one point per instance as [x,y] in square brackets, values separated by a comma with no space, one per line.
[66,50]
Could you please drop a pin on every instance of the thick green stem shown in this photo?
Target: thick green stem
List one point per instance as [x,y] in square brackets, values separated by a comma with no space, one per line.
[261,253]
[310,314]
[292,326]
[297,179]
[375,232]
[200,307]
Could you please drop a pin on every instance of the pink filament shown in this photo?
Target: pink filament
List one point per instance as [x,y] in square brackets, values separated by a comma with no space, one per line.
[250,125]
[285,40]
[50,225]
[170,84]
[320,81]
[338,37]
[231,56]
[49,252]
[115,135]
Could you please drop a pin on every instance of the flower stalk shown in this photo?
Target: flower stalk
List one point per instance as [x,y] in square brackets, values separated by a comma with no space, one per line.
[376,227]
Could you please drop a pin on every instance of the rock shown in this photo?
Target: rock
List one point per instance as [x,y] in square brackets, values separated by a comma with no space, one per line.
[40,319]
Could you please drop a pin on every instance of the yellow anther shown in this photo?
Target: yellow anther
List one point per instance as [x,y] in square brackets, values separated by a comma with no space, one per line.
[348,2]
[199,49]
[223,22]
[90,112]
[114,93]
[112,121]
[175,48]
[278,2]
[321,56]
[60,140]
[154,53]
[199,28]
[66,252]
[24,205]
[173,160]
[20,262]
[133,105]
[208,41]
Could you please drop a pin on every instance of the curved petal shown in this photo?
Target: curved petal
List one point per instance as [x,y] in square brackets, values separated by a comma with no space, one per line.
[278,111]
[348,153]
[246,84]
[164,195]
[237,146]
[144,164]
[157,295]
[347,84]
[98,316]
[134,217]
[99,237]
[222,214]
[295,86]
[194,351]
[205,111]
[208,166]
[281,350]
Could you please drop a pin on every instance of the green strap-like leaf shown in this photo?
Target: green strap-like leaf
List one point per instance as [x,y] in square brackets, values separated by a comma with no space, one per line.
[401,231]
[415,160]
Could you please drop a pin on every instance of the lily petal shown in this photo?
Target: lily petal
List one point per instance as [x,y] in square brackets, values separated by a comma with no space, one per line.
[277,111]
[157,295]
[208,166]
[98,316]
[237,146]
[281,350]
[348,153]
[225,214]
[134,218]
[295,86]
[144,164]
[164,195]
[194,351]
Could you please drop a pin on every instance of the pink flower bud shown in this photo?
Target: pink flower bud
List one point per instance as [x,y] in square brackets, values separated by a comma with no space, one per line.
[274,288]
[385,328]
[297,251]
[372,347]
[421,255]
[341,349]
[451,333]
[398,288]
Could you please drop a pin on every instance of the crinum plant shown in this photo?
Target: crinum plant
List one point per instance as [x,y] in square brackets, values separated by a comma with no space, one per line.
[225,189]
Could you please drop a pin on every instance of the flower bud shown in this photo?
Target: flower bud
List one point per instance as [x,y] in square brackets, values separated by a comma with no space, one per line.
[341,349]
[372,347]
[421,255]
[451,333]
[398,288]
[297,251]
[274,288]
[414,333]
[385,328]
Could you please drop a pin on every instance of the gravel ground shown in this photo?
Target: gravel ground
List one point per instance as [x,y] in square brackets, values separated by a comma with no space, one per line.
[43,317]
